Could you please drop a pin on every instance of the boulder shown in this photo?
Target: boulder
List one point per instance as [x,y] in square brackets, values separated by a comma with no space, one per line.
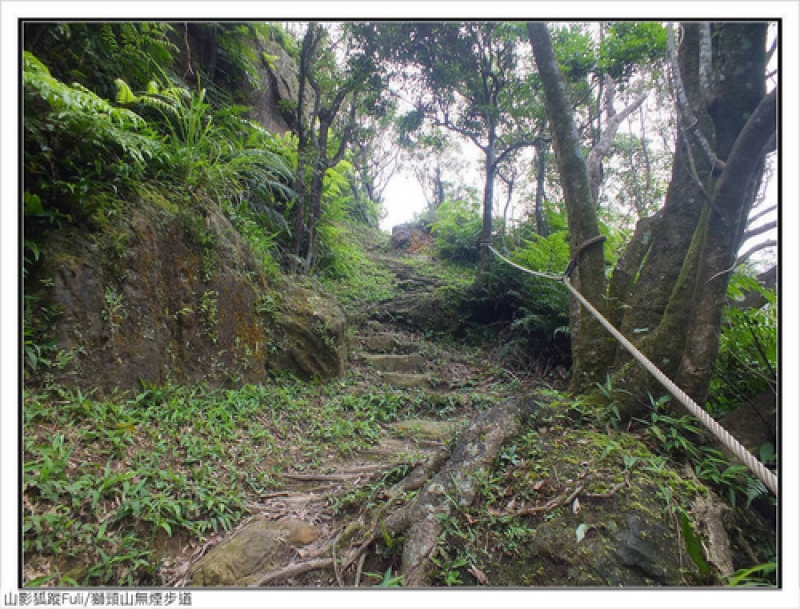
[313,342]
[261,546]
[411,237]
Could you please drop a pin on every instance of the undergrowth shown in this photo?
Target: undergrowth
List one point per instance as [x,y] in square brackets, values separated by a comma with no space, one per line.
[104,477]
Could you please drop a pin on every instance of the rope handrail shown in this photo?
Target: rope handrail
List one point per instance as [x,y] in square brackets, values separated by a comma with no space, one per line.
[766,476]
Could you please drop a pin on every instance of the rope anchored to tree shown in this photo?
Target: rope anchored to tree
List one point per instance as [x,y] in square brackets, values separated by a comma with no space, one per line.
[766,476]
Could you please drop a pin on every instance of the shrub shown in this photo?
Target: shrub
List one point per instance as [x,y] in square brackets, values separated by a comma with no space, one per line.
[457,229]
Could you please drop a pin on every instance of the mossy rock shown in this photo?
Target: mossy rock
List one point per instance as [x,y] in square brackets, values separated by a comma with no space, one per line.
[313,341]
[257,549]
[162,297]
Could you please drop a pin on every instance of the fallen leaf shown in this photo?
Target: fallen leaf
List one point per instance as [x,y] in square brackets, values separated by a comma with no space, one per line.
[576,506]
[479,575]
[539,485]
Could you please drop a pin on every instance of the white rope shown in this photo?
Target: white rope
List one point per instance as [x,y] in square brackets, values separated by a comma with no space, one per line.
[522,268]
[769,479]
[766,476]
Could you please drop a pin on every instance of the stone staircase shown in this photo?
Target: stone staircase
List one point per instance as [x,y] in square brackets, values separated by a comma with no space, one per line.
[395,361]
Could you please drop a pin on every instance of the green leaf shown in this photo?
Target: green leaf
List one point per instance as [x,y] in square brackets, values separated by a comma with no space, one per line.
[743,577]
[693,545]
[767,452]
[33,204]
[124,93]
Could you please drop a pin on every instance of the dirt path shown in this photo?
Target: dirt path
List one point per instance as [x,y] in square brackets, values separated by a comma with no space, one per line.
[321,507]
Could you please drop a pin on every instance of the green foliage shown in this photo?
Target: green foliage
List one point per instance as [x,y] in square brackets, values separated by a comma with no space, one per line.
[624,49]
[457,229]
[96,54]
[217,151]
[173,461]
[693,545]
[574,51]
[83,154]
[387,579]
[747,361]
[759,576]
[534,310]
[79,148]
[628,45]
[677,437]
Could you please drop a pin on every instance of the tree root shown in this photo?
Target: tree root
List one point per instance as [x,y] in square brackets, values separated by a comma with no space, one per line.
[295,569]
[447,481]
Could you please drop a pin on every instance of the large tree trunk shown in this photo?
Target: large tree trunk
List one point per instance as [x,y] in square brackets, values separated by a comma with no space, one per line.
[668,290]
[675,307]
[733,198]
[591,345]
[305,148]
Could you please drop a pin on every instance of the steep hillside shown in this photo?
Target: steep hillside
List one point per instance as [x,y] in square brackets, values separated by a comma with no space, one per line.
[168,295]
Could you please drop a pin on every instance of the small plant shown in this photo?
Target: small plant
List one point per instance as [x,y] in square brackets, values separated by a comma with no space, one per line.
[759,576]
[113,309]
[450,568]
[208,309]
[387,579]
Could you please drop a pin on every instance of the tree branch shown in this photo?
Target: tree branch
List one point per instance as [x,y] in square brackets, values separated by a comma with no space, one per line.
[452,127]
[345,138]
[704,67]
[516,146]
[762,213]
[600,150]
[754,136]
[683,103]
[756,248]
[754,232]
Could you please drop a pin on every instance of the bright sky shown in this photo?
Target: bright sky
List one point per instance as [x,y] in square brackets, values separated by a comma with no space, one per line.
[402,199]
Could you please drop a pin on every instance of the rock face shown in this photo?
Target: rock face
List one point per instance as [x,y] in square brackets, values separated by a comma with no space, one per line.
[172,296]
[273,102]
[271,92]
[410,237]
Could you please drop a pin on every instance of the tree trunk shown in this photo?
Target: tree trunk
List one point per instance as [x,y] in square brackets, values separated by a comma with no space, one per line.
[684,202]
[734,196]
[541,166]
[668,290]
[304,149]
[591,345]
[675,307]
[488,203]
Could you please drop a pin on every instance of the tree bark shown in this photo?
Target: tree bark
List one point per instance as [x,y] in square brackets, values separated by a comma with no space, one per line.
[541,166]
[735,194]
[676,305]
[485,259]
[592,348]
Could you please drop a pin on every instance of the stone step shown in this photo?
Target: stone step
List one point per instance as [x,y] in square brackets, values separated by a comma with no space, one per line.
[400,380]
[385,343]
[410,363]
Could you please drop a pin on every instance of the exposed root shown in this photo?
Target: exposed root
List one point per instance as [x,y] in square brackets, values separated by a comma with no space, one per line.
[446,480]
[294,570]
